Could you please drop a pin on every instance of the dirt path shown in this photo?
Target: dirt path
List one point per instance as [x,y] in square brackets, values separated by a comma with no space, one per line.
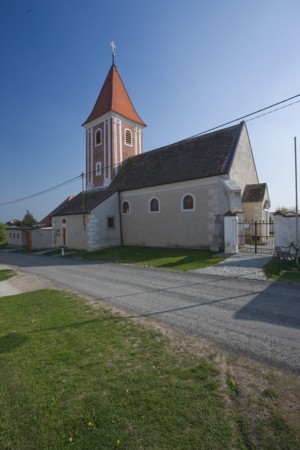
[23,282]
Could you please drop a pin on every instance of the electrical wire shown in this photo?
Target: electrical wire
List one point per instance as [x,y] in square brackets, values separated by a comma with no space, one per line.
[274,110]
[41,192]
[65,183]
[239,118]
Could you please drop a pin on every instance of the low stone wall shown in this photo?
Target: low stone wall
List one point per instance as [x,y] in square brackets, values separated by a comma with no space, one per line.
[285,230]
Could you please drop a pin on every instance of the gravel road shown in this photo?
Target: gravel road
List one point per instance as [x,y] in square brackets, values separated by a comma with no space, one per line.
[256,318]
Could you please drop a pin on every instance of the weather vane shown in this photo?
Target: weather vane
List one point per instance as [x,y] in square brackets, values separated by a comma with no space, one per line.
[113,47]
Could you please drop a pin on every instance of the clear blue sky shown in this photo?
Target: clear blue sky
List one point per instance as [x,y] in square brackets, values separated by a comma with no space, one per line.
[187,65]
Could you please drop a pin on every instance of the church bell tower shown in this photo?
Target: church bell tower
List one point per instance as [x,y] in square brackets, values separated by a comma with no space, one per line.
[113,131]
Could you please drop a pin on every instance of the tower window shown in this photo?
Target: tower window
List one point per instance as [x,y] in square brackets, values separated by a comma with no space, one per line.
[128,137]
[154,205]
[98,168]
[188,203]
[98,137]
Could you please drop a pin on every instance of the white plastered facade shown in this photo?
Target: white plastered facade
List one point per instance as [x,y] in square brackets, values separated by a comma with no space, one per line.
[172,226]
[89,231]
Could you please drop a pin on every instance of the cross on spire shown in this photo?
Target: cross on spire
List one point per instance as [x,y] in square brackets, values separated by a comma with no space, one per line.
[113,48]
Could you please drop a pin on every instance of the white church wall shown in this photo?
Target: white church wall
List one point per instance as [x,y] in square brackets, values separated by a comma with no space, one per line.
[243,170]
[100,234]
[89,231]
[172,226]
[75,231]
[229,195]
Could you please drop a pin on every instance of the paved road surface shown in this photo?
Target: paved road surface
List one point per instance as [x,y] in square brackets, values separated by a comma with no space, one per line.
[259,319]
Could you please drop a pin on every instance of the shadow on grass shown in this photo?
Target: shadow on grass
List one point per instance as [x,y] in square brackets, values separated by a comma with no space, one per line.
[163,258]
[11,341]
[187,263]
[175,259]
[276,271]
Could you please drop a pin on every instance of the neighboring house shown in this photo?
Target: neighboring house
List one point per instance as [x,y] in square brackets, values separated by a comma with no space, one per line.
[37,236]
[18,236]
[29,237]
[173,196]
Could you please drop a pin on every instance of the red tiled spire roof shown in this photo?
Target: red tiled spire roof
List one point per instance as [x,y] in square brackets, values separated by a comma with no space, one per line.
[114,97]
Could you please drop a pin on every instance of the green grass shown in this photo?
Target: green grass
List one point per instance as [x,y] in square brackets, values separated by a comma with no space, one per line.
[274,270]
[73,375]
[281,437]
[76,377]
[162,258]
[6,274]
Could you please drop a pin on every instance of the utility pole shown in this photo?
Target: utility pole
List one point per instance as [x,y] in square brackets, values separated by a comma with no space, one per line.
[83,206]
[296,191]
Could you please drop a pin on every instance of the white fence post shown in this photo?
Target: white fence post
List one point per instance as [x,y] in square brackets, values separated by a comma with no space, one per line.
[230,234]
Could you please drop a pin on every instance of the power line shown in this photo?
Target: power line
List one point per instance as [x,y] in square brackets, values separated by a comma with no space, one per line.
[183,140]
[57,186]
[274,110]
[41,192]
[240,118]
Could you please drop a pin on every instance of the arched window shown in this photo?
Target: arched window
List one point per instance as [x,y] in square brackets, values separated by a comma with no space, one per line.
[98,168]
[188,202]
[98,137]
[154,205]
[125,207]
[128,137]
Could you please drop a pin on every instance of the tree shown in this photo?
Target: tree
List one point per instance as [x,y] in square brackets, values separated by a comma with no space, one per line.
[283,210]
[2,233]
[28,220]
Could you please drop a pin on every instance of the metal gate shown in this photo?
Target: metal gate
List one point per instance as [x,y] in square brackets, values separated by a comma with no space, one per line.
[256,237]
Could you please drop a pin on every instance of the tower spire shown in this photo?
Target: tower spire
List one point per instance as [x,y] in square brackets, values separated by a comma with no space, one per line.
[113,48]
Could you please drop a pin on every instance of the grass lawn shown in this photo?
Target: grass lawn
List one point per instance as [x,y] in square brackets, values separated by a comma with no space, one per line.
[72,376]
[276,272]
[163,258]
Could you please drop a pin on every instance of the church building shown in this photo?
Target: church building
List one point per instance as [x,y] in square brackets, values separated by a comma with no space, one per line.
[174,196]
